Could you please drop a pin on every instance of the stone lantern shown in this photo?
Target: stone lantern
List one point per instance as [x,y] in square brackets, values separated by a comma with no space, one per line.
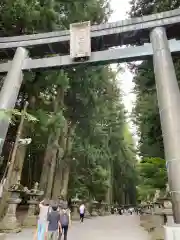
[94,208]
[34,195]
[102,208]
[87,210]
[10,223]
[75,205]
[160,216]
[107,209]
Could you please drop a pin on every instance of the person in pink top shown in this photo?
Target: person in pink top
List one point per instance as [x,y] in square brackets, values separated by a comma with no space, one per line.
[42,220]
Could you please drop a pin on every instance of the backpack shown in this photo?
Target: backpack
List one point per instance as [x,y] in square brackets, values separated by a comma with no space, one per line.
[64,217]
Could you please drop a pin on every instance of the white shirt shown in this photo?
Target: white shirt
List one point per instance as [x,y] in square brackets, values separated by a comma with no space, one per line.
[82,209]
[43,213]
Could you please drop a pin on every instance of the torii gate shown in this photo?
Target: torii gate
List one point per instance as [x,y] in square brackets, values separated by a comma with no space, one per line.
[145,36]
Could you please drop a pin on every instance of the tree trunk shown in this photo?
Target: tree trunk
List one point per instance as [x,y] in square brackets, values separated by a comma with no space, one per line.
[21,150]
[53,162]
[20,157]
[123,197]
[109,190]
[51,175]
[109,193]
[46,164]
[65,182]
[57,186]
[67,160]
[49,165]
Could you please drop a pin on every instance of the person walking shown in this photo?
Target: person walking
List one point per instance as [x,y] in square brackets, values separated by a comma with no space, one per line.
[82,212]
[54,225]
[131,210]
[65,221]
[42,220]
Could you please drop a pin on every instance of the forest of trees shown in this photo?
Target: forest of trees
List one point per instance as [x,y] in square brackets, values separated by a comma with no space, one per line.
[81,142]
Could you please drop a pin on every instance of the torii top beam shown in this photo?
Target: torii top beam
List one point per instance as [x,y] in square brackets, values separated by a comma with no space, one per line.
[103,36]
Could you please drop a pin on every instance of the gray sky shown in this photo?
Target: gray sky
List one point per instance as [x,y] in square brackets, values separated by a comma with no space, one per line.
[120,9]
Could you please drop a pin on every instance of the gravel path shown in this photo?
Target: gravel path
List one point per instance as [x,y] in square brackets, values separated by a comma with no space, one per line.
[100,228]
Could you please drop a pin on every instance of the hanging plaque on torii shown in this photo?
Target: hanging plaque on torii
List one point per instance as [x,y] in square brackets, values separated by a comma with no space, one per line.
[80,41]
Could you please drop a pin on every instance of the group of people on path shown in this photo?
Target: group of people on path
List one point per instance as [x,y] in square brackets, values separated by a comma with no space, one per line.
[122,210]
[54,220]
[126,210]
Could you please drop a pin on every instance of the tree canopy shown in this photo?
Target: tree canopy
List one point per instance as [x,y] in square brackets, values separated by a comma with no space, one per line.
[152,176]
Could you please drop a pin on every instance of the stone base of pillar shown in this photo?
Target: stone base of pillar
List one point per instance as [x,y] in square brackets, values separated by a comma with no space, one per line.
[30,221]
[75,217]
[101,212]
[151,222]
[10,224]
[107,213]
[87,214]
[94,213]
[102,209]
[75,213]
[157,234]
[147,222]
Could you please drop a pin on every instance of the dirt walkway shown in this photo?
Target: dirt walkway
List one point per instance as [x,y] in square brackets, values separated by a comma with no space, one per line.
[100,228]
